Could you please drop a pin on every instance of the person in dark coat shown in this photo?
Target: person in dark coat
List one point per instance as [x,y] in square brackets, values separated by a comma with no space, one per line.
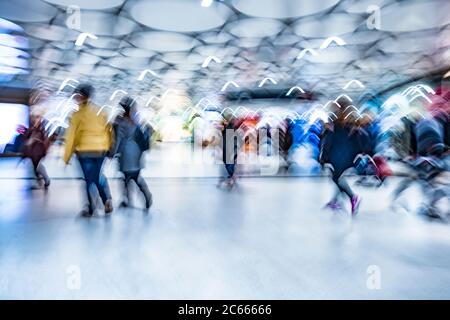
[35,145]
[231,140]
[131,141]
[341,143]
[428,163]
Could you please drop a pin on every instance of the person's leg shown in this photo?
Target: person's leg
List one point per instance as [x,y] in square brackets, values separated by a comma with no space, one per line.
[433,192]
[102,184]
[402,186]
[86,164]
[334,202]
[230,169]
[125,191]
[231,179]
[38,183]
[335,177]
[343,187]
[42,172]
[140,182]
[105,185]
[340,183]
[436,194]
[35,169]
[99,182]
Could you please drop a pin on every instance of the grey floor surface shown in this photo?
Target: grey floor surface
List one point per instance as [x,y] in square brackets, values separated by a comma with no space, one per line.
[268,239]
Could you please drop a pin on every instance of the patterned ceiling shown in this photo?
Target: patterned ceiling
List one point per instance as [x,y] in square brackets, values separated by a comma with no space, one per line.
[198,47]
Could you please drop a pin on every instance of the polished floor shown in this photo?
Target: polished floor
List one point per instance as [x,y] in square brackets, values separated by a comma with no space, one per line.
[268,239]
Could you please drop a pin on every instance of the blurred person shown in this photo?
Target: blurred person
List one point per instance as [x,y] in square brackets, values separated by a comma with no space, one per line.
[303,139]
[427,162]
[230,145]
[410,121]
[89,136]
[341,143]
[441,112]
[35,145]
[131,141]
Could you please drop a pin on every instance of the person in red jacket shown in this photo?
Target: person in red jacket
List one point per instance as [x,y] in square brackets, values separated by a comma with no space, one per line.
[35,146]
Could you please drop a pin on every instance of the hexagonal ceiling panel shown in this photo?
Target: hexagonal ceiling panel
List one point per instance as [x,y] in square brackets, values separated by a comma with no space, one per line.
[202,45]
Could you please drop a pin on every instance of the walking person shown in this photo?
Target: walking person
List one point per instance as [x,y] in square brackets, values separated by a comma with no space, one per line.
[35,146]
[89,136]
[427,163]
[340,144]
[131,141]
[231,140]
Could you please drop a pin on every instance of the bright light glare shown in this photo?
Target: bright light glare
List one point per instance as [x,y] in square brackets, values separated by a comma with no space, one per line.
[318,114]
[172,129]
[207,3]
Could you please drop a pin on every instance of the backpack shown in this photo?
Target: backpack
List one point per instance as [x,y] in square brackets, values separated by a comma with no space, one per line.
[142,138]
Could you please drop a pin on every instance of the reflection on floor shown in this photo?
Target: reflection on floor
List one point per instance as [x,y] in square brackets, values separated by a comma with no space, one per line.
[268,239]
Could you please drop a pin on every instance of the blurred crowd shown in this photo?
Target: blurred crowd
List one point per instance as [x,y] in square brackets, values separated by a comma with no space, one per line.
[337,137]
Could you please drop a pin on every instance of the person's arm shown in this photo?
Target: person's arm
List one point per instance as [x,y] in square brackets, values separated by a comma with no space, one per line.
[148,135]
[109,134]
[116,141]
[71,135]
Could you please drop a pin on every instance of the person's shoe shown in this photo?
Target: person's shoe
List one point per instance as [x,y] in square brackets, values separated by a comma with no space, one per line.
[37,184]
[86,213]
[46,184]
[355,201]
[231,183]
[124,204]
[333,205]
[108,206]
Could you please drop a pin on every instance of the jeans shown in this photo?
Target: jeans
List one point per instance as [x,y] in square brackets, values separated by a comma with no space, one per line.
[91,167]
[140,182]
[230,169]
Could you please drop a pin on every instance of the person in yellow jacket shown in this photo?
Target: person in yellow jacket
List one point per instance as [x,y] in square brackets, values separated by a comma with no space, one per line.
[89,136]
